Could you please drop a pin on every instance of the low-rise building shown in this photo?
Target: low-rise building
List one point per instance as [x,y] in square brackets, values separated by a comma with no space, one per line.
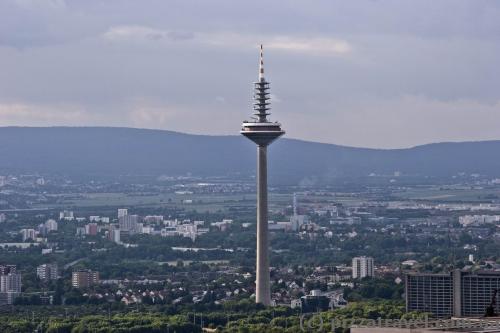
[66,215]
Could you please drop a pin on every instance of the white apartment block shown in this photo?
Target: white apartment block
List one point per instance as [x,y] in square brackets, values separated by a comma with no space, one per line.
[47,272]
[50,225]
[362,267]
[28,234]
[122,212]
[66,215]
[10,283]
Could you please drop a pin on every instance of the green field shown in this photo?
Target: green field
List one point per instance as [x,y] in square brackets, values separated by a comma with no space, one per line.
[277,201]
[197,202]
[450,195]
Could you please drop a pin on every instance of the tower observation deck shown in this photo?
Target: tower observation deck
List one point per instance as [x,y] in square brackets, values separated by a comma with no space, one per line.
[262,132]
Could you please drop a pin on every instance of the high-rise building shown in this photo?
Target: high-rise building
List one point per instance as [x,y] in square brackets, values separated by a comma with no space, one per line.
[84,278]
[122,212]
[28,234]
[80,231]
[10,287]
[91,229]
[459,293]
[362,267]
[128,223]
[47,272]
[114,233]
[432,293]
[262,132]
[10,283]
[41,229]
[50,225]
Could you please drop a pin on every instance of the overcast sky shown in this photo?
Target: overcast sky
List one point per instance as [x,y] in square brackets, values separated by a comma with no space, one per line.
[360,73]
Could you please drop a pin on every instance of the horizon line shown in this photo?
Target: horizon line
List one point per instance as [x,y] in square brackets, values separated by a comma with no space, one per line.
[237,135]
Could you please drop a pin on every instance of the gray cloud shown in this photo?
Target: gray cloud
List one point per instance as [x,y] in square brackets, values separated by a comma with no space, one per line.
[365,73]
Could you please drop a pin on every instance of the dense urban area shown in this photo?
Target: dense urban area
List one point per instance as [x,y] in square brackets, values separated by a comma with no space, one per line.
[178,253]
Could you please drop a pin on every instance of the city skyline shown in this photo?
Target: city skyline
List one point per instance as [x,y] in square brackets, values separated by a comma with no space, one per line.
[141,188]
[381,74]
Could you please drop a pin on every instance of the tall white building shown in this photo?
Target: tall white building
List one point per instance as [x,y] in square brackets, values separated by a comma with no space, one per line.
[10,288]
[129,223]
[47,272]
[50,225]
[114,233]
[122,212]
[362,267]
[10,283]
[28,234]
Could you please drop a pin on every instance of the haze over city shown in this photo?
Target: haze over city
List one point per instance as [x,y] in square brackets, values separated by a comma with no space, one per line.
[382,74]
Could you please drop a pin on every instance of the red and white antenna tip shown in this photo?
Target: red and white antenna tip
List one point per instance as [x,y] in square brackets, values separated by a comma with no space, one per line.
[261,64]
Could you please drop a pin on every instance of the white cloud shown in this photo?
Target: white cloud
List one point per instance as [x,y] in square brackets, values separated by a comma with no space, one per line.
[133,32]
[315,46]
[42,115]
[310,45]
[138,32]
[146,112]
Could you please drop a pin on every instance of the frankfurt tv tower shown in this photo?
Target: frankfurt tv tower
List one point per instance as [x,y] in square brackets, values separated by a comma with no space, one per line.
[262,131]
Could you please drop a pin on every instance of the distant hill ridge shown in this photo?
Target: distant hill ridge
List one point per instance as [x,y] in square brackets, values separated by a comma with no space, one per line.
[128,151]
